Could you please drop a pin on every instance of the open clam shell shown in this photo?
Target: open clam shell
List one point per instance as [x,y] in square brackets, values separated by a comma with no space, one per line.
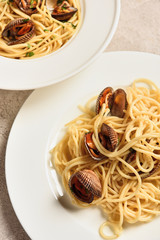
[91,148]
[18,31]
[27,6]
[64,11]
[104,97]
[85,185]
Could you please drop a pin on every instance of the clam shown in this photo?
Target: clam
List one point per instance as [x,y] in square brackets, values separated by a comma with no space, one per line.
[132,156]
[115,100]
[119,103]
[85,185]
[108,137]
[104,97]
[63,11]
[27,6]
[91,148]
[18,31]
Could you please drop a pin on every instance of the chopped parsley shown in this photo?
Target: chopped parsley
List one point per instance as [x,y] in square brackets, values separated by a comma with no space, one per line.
[28,45]
[32,3]
[40,41]
[60,1]
[64,7]
[29,54]
[25,20]
[8,2]
[46,30]
[74,26]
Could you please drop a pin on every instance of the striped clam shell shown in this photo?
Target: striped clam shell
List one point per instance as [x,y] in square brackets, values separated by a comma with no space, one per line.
[90,181]
[22,39]
[111,137]
[106,94]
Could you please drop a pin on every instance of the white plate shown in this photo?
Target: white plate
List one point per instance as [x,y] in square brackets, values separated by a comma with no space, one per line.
[35,130]
[99,22]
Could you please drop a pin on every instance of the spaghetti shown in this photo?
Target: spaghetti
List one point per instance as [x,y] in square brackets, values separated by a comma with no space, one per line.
[130,186]
[50,34]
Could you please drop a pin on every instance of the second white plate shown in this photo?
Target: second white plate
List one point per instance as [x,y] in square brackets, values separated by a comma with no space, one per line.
[34,131]
[99,22]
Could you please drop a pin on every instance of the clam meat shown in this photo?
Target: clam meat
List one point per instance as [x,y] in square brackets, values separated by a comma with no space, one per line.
[104,97]
[85,185]
[18,31]
[91,148]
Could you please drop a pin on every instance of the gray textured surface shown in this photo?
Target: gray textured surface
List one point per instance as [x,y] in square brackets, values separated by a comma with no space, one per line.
[138,30]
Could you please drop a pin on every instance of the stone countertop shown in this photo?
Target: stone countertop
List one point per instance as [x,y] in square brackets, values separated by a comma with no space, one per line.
[138,30]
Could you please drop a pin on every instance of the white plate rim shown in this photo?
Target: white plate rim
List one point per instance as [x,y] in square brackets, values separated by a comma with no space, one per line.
[51,80]
[135,55]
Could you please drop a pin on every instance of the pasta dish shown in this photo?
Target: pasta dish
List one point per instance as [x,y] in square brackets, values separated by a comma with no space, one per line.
[109,156]
[31,29]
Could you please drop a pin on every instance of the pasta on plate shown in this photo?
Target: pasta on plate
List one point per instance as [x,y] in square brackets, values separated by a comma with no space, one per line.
[29,29]
[109,156]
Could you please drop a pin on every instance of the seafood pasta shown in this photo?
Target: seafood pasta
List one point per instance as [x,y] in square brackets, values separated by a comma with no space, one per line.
[28,29]
[110,156]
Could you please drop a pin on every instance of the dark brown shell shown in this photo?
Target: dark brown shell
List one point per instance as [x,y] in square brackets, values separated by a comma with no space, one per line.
[9,35]
[108,138]
[104,96]
[88,180]
[25,6]
[91,148]
[64,11]
[132,156]
[119,103]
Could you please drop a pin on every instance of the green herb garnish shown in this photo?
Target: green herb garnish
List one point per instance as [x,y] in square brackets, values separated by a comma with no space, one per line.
[32,1]
[74,26]
[25,20]
[40,41]
[29,54]
[8,2]
[60,1]
[28,45]
[46,30]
